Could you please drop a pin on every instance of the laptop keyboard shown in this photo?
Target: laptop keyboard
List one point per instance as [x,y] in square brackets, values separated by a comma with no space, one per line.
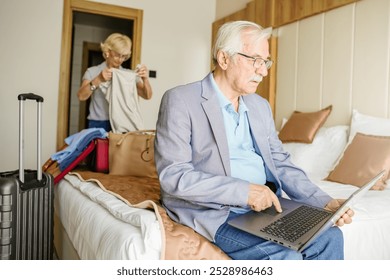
[297,223]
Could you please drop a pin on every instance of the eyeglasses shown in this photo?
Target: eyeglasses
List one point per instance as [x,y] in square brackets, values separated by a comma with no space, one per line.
[258,61]
[119,56]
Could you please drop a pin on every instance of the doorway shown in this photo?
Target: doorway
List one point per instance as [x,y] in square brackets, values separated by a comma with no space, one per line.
[96,13]
[91,56]
[89,30]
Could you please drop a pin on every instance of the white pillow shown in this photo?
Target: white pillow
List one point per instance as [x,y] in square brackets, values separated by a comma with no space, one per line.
[318,158]
[368,125]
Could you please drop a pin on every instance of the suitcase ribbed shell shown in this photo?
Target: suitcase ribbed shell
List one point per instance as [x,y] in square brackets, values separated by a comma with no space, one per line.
[26,217]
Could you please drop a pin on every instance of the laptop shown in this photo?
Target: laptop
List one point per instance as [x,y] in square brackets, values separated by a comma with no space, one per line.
[299,223]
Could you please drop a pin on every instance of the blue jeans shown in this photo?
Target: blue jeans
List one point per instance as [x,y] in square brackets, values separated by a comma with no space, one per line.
[240,245]
[100,124]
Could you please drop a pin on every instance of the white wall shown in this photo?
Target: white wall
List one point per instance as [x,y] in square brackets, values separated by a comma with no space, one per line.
[341,57]
[30,45]
[176,43]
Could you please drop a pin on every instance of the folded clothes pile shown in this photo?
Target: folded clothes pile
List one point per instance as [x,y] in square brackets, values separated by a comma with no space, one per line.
[76,145]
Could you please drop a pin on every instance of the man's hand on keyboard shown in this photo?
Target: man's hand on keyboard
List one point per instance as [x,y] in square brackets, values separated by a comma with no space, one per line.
[261,197]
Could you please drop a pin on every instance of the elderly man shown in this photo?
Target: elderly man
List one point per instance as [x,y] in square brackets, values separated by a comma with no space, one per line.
[216,151]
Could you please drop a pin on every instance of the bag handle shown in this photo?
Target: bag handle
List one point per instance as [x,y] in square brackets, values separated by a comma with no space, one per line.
[145,152]
[146,132]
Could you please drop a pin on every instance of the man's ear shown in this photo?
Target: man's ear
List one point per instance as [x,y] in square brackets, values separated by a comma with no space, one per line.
[223,59]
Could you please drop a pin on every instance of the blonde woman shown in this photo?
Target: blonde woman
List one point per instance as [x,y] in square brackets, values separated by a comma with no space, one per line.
[115,49]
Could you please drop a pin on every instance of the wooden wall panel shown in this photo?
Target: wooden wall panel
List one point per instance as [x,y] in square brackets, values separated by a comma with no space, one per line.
[280,12]
[352,71]
[265,12]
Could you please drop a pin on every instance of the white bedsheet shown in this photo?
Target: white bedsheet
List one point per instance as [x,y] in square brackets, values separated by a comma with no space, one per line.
[368,236]
[101,226]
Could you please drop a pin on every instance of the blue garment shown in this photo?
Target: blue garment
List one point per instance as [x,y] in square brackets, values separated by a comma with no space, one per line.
[245,163]
[100,124]
[240,245]
[76,144]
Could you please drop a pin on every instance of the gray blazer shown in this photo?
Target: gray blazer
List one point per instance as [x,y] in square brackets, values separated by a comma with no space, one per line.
[192,158]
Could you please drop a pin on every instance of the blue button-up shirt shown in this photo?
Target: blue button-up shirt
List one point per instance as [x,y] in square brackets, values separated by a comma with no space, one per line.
[245,163]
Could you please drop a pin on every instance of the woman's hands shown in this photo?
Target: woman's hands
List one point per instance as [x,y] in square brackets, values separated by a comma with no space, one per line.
[143,87]
[106,75]
[142,71]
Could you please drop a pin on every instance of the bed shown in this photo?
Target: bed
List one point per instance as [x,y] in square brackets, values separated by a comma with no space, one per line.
[332,149]
[119,217]
[101,216]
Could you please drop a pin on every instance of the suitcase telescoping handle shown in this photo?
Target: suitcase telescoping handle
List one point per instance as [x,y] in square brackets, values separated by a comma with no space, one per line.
[39,99]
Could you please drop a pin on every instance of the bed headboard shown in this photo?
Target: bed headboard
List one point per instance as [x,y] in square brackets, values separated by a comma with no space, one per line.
[340,57]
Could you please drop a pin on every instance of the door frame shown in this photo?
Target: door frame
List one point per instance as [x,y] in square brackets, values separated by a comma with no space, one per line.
[71,6]
[83,108]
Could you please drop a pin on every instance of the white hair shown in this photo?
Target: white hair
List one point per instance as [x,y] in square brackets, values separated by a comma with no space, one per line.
[229,36]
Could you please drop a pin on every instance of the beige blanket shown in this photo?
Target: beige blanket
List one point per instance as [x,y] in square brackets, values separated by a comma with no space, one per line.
[180,242]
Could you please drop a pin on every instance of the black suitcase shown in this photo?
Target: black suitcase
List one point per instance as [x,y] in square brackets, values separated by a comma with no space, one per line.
[26,203]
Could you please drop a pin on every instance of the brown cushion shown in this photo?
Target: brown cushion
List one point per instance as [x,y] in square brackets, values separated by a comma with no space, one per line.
[302,127]
[364,158]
